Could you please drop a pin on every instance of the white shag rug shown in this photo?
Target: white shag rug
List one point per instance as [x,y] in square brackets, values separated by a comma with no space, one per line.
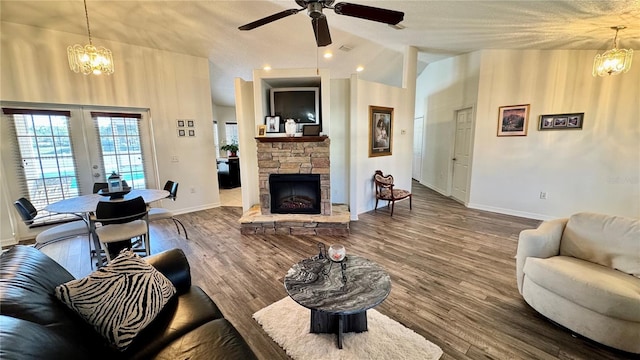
[287,323]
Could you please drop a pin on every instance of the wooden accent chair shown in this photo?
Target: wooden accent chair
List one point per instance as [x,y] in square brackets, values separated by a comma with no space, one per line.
[385,190]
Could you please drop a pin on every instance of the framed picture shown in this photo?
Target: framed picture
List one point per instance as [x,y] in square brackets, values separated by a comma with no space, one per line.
[182,132]
[380,128]
[561,121]
[192,133]
[513,120]
[262,129]
[180,123]
[190,123]
[272,123]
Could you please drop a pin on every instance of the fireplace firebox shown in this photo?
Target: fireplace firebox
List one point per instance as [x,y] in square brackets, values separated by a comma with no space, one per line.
[295,193]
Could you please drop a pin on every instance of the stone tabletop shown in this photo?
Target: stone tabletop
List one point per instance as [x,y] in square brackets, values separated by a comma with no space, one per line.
[367,285]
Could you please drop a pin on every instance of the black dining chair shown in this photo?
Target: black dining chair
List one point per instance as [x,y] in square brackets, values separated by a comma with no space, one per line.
[99,186]
[162,213]
[29,214]
[118,222]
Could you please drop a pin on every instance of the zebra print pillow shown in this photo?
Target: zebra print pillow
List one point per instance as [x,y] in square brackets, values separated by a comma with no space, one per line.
[119,299]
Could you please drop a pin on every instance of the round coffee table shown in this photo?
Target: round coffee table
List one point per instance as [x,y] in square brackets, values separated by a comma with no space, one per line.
[338,305]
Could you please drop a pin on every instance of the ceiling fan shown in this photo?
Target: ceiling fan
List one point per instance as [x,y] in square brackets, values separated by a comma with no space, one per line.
[319,20]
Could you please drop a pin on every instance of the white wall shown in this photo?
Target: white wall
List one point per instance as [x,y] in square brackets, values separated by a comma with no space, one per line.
[593,169]
[362,167]
[173,86]
[340,141]
[444,87]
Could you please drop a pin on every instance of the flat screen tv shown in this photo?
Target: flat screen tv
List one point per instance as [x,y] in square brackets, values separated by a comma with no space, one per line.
[299,103]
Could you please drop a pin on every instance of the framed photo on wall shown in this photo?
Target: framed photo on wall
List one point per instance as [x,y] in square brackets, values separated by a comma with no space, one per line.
[561,121]
[513,120]
[272,123]
[380,130]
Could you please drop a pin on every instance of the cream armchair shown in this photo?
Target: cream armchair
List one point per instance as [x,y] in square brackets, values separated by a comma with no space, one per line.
[584,274]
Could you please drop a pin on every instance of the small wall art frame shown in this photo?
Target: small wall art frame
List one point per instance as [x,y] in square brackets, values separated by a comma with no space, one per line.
[513,120]
[272,123]
[571,121]
[262,129]
[380,128]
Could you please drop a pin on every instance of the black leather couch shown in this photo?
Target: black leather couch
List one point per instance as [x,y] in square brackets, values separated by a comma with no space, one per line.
[36,325]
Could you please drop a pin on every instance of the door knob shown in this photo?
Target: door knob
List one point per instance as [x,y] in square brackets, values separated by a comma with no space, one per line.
[454,159]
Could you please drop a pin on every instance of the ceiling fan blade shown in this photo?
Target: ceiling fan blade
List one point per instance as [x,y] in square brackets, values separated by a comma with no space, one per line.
[268,19]
[321,29]
[386,16]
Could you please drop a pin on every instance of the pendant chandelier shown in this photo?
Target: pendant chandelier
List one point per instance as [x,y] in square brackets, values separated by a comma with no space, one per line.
[89,59]
[614,61]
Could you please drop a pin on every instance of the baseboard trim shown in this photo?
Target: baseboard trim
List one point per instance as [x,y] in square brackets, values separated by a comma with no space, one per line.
[8,242]
[196,208]
[512,212]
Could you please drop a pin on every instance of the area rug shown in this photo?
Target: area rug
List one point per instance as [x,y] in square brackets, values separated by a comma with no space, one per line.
[287,323]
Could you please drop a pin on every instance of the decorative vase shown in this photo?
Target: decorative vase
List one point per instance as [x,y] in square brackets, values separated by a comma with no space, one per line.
[290,127]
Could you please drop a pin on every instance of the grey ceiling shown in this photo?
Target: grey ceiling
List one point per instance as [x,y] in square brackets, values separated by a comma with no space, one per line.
[437,28]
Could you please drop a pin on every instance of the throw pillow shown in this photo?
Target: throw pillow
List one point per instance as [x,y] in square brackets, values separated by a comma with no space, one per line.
[119,299]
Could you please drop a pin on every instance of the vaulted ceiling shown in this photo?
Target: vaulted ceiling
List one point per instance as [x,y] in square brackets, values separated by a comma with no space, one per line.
[438,29]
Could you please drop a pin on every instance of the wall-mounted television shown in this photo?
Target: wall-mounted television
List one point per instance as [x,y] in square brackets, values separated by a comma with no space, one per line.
[299,103]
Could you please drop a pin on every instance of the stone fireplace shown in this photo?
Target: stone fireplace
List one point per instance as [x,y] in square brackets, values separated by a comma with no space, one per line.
[298,169]
[307,155]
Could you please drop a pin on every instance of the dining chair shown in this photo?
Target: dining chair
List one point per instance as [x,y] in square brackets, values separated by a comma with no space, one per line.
[99,186]
[163,213]
[29,214]
[116,223]
[385,190]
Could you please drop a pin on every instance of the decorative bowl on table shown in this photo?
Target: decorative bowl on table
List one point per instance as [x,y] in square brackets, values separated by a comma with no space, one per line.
[116,194]
[336,252]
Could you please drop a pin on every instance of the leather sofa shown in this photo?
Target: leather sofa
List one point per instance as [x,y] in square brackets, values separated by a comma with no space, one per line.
[584,274]
[34,324]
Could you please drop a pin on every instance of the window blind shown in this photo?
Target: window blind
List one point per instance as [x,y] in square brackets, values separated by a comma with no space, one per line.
[46,170]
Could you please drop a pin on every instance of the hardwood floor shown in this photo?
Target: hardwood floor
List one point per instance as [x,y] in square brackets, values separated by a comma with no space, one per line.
[452,271]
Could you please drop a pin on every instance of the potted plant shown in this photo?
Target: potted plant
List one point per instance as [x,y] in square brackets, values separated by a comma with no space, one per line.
[231,148]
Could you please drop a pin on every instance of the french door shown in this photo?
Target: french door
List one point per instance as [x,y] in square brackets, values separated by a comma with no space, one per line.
[53,153]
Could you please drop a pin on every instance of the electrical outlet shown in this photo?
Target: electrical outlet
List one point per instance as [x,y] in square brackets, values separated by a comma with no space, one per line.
[543,195]
[174,158]
[193,190]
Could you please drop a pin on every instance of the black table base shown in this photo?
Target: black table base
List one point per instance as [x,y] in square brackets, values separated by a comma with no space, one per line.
[325,323]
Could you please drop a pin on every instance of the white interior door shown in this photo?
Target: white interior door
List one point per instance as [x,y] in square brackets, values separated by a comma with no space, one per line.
[462,154]
[418,135]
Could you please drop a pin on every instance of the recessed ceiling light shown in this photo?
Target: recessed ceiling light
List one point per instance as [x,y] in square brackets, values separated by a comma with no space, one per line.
[328,55]
[266,68]
[359,68]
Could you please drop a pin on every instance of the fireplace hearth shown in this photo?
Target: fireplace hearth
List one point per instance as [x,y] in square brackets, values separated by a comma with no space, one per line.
[295,193]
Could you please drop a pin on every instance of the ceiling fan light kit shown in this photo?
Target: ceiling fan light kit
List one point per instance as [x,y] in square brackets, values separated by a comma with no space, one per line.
[614,61]
[319,20]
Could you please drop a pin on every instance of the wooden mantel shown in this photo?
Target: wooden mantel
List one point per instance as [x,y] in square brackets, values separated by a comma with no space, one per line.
[271,139]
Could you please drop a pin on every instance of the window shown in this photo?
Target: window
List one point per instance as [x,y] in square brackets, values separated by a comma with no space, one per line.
[120,146]
[49,171]
[231,129]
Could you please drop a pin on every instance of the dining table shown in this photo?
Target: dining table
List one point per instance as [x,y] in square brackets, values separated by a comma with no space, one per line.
[85,206]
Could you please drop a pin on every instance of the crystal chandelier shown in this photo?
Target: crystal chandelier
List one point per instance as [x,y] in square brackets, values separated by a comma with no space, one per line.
[89,59]
[614,61]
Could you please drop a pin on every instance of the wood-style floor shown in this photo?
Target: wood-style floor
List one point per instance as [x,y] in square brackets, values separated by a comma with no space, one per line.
[452,271]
